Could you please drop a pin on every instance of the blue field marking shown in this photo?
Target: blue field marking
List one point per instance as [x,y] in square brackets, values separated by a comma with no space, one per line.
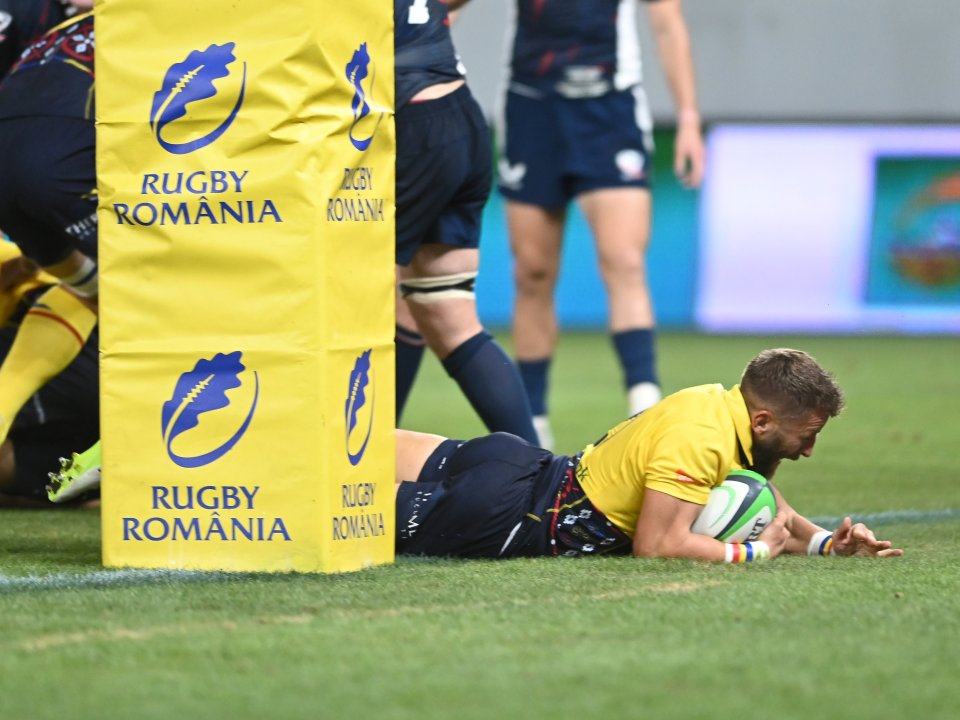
[889,517]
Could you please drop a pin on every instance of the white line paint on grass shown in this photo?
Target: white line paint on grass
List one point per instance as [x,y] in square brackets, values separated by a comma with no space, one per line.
[111,578]
[117,578]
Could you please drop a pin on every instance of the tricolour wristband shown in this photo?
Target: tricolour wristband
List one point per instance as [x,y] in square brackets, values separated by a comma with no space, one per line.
[821,543]
[747,552]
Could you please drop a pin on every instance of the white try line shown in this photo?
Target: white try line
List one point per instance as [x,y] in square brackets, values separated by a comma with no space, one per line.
[111,578]
[117,578]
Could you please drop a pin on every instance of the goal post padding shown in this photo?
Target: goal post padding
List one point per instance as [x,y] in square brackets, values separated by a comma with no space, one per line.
[245,162]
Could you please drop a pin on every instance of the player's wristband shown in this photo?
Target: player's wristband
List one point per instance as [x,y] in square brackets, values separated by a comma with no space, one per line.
[747,552]
[821,543]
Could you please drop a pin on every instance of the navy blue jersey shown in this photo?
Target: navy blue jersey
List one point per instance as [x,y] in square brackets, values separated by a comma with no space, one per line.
[21,23]
[577,48]
[54,76]
[423,47]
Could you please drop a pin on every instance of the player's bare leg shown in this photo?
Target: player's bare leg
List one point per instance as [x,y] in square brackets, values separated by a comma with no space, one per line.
[448,322]
[438,286]
[413,451]
[620,221]
[536,239]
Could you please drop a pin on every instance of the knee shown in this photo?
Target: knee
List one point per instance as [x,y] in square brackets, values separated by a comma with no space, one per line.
[534,274]
[626,268]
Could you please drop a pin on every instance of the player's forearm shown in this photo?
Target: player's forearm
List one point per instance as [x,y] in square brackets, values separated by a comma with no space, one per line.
[801,529]
[676,57]
[693,547]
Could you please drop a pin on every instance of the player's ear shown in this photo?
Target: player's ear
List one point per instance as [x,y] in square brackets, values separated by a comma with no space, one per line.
[761,421]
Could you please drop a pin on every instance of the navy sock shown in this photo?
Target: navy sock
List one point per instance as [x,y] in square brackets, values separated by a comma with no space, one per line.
[492,385]
[409,350]
[534,375]
[635,348]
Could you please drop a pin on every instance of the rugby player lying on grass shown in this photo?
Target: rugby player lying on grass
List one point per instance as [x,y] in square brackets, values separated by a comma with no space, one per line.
[639,488]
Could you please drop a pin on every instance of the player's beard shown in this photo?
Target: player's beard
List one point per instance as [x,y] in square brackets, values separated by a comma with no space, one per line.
[767,455]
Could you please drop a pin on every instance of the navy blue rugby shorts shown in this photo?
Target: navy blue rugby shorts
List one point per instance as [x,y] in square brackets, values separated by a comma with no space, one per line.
[555,148]
[48,200]
[444,173]
[485,498]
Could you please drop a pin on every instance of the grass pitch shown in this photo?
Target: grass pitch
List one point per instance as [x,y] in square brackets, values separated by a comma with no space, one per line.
[598,637]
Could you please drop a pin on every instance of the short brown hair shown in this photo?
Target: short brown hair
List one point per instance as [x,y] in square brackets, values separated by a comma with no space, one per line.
[792,382]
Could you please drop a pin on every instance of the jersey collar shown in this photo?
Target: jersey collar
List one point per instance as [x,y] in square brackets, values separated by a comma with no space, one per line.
[741,421]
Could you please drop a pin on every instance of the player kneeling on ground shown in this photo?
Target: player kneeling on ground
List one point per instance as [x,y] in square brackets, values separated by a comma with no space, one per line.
[640,488]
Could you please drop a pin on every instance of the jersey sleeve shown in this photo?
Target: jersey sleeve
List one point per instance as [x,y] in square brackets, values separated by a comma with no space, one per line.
[686,463]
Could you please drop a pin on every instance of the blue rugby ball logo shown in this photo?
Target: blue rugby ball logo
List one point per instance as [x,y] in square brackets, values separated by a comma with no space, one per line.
[363,128]
[355,407]
[204,390]
[193,81]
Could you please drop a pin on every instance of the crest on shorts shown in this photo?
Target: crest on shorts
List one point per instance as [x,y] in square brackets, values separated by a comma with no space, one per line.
[511,174]
[631,164]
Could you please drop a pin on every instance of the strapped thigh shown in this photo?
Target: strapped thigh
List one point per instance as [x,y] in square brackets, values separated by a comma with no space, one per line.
[441,287]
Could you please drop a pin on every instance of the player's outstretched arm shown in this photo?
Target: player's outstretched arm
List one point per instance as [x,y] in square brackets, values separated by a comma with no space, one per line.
[808,538]
[663,530]
[857,539]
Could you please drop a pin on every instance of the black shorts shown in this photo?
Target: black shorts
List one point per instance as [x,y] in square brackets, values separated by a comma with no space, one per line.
[63,417]
[48,200]
[444,173]
[485,498]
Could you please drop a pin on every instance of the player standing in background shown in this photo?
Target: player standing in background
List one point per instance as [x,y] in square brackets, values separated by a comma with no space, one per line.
[577,126]
[444,177]
[48,202]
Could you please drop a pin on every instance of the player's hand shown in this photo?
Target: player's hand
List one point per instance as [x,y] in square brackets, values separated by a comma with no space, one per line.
[15,271]
[689,155]
[858,539]
[776,534]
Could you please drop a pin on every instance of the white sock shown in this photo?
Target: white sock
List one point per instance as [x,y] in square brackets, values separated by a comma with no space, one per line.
[642,396]
[541,423]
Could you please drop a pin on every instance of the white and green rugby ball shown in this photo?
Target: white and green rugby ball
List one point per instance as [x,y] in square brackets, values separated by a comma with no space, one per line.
[739,508]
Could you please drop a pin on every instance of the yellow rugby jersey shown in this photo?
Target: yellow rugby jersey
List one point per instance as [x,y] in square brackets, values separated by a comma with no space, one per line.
[683,446]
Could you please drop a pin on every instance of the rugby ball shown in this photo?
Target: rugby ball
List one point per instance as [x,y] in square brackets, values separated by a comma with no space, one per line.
[738,509]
